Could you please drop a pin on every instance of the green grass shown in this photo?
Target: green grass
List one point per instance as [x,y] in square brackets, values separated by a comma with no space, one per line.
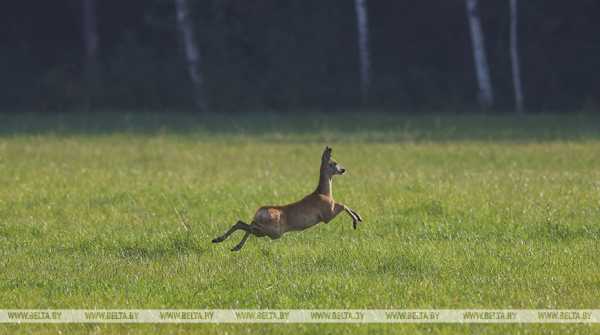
[460,211]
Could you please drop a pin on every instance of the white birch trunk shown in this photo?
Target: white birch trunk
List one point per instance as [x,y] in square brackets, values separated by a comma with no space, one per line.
[363,48]
[514,57]
[486,96]
[192,54]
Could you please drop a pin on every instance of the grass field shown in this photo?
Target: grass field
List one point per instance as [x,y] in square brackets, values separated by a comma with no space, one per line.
[460,211]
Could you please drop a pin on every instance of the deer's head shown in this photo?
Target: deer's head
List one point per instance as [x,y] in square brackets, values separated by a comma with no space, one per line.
[329,166]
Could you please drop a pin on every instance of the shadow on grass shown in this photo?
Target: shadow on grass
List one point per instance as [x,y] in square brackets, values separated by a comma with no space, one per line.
[170,246]
[404,266]
[369,126]
[173,246]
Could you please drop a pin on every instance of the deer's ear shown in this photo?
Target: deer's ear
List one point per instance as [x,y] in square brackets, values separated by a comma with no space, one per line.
[326,154]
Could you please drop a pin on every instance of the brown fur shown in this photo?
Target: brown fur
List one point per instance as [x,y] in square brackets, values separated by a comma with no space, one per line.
[317,207]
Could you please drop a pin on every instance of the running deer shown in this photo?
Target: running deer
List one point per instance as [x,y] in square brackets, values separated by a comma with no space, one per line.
[319,206]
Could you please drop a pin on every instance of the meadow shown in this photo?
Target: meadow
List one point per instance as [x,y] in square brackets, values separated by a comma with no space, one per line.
[117,210]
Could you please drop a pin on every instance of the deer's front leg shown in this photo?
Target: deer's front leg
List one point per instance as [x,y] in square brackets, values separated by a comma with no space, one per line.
[341,207]
[355,214]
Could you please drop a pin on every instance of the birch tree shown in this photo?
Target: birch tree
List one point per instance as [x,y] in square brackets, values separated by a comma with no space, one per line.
[486,96]
[90,44]
[514,57]
[192,53]
[363,48]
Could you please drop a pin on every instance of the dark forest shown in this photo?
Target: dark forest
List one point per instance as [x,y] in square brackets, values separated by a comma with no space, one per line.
[285,55]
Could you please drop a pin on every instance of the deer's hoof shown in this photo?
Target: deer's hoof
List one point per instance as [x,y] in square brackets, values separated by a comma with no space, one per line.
[354,224]
[217,240]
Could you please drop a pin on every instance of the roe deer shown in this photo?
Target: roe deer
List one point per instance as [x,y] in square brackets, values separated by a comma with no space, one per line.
[319,206]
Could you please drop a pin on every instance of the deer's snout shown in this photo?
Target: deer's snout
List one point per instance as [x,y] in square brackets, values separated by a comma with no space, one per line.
[341,170]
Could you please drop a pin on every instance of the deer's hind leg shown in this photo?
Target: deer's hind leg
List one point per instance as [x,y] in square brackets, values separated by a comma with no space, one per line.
[252,229]
[239,225]
[247,228]
[242,242]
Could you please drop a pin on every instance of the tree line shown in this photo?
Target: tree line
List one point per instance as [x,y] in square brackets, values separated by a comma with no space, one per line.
[510,55]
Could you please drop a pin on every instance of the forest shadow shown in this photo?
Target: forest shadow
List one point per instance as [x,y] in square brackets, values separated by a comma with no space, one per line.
[311,126]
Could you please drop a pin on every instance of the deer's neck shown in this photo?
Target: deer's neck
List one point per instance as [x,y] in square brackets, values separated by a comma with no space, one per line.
[325,186]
